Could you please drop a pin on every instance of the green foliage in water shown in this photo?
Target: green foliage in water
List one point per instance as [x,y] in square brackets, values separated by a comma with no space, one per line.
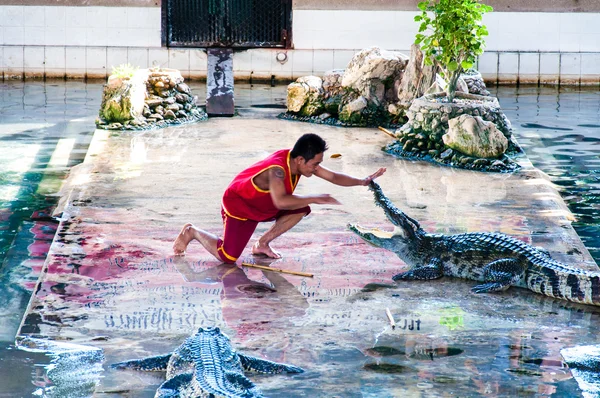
[451,36]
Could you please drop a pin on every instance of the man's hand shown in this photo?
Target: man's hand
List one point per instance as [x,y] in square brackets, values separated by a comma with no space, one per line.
[325,199]
[367,181]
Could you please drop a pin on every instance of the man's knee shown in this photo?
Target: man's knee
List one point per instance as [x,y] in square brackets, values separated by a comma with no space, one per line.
[229,256]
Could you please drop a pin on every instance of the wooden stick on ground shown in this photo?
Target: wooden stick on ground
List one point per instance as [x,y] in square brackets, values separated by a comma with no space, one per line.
[387,132]
[283,271]
[390,317]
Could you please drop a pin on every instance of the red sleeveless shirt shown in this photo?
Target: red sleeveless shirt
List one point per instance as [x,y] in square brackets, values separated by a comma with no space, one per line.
[244,200]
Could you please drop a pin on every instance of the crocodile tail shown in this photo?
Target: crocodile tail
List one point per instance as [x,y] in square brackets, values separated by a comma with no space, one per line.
[559,281]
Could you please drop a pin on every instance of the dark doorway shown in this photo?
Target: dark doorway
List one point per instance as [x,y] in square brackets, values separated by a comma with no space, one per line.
[227,23]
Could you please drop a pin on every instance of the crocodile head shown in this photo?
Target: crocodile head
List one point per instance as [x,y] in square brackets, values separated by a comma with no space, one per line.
[407,232]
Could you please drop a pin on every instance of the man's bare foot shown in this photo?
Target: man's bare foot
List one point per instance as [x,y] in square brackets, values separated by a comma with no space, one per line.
[182,240]
[264,250]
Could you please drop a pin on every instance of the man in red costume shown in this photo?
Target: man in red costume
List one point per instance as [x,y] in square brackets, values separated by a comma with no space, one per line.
[265,192]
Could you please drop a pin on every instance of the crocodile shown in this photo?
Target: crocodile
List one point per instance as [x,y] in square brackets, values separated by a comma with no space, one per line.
[206,365]
[497,260]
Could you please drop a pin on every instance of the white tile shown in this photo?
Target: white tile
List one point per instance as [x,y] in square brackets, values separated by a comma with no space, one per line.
[529,63]
[96,17]
[55,58]
[116,17]
[114,37]
[75,36]
[75,58]
[33,35]
[549,22]
[242,61]
[55,36]
[137,17]
[322,61]
[179,59]
[549,63]
[1,35]
[158,57]
[14,35]
[134,37]
[488,65]
[55,16]
[96,57]
[154,37]
[549,67]
[13,57]
[261,61]
[198,60]
[33,57]
[13,16]
[570,64]
[549,41]
[34,16]
[341,58]
[96,36]
[589,23]
[508,63]
[570,22]
[154,16]
[589,65]
[138,57]
[302,21]
[115,56]
[76,17]
[570,42]
[591,43]
[302,60]
[1,59]
[303,40]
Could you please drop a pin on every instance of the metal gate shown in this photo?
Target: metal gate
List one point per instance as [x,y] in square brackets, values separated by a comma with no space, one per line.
[226,23]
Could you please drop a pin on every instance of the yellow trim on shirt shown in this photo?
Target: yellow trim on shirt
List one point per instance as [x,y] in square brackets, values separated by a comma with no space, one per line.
[228,214]
[265,169]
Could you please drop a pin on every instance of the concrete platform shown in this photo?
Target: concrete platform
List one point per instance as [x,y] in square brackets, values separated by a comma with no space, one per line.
[111,280]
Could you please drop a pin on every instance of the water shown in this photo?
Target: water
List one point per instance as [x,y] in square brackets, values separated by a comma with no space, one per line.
[560,132]
[45,129]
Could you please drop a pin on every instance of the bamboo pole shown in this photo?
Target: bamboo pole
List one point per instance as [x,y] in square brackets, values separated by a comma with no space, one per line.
[387,132]
[391,318]
[283,271]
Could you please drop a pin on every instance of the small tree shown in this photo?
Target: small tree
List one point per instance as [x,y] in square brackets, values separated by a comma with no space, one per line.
[454,38]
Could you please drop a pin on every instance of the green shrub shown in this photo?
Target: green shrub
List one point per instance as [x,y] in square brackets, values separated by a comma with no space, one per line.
[451,36]
[124,71]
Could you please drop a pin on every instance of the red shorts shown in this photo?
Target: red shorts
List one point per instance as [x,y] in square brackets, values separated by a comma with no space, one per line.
[237,233]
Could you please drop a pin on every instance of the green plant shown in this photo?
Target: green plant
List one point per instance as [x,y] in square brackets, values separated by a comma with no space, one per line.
[124,71]
[451,36]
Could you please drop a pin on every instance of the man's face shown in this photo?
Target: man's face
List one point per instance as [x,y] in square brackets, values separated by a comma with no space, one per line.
[308,168]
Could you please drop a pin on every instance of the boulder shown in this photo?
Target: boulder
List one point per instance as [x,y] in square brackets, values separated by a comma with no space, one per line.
[372,71]
[416,79]
[123,98]
[305,96]
[475,137]
[352,111]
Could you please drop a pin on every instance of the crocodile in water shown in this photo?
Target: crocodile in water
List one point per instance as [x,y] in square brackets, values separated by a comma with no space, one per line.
[206,365]
[497,260]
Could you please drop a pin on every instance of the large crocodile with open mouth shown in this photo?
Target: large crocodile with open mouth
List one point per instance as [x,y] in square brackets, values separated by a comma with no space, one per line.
[206,365]
[497,260]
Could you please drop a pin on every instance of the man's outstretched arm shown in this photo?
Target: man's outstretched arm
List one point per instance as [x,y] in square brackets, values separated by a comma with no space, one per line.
[283,201]
[346,180]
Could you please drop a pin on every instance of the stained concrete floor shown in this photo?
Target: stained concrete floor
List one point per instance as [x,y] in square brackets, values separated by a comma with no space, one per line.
[112,282]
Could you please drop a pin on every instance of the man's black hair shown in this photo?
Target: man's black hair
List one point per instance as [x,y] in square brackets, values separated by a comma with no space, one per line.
[308,146]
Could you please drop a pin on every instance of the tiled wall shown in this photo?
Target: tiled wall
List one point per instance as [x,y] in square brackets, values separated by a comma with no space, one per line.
[58,41]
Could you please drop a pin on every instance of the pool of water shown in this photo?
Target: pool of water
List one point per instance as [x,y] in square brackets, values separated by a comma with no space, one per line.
[45,128]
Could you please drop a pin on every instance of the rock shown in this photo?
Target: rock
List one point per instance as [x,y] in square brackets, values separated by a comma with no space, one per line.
[332,82]
[183,88]
[447,154]
[475,137]
[304,96]
[417,77]
[475,82]
[351,112]
[155,116]
[369,69]
[170,115]
[123,99]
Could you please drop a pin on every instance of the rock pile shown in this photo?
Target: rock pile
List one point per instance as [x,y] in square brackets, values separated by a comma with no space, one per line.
[148,99]
[481,138]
